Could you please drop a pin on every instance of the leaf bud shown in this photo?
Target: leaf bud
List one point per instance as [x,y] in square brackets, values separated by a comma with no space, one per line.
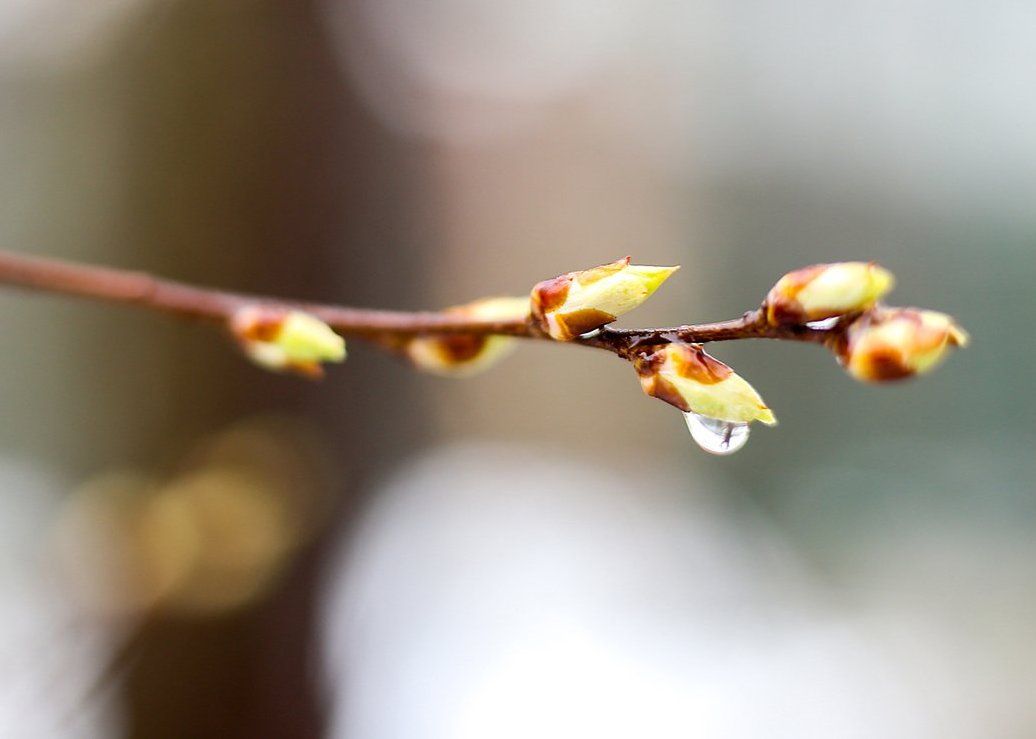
[578,302]
[896,343]
[825,291]
[685,376]
[462,355]
[286,341]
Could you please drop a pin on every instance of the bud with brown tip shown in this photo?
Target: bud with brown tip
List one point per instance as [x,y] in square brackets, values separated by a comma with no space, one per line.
[896,343]
[286,341]
[825,291]
[462,355]
[578,302]
[685,376]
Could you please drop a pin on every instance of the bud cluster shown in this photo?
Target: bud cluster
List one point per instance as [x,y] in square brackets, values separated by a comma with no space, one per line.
[837,305]
[875,343]
[878,343]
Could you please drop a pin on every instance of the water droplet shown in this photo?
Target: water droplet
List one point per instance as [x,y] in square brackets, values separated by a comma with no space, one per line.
[824,323]
[716,436]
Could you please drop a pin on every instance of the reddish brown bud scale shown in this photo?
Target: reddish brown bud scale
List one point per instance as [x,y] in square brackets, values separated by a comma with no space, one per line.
[584,321]
[886,365]
[458,348]
[550,294]
[649,360]
[661,388]
[693,363]
[258,324]
[782,306]
[308,370]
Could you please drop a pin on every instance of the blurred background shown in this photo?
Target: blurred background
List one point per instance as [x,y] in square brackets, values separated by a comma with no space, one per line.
[192,547]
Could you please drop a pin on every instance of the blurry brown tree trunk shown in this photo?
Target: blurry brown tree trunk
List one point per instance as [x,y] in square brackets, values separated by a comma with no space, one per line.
[250,164]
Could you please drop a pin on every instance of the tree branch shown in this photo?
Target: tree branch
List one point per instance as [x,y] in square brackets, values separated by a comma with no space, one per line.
[189,301]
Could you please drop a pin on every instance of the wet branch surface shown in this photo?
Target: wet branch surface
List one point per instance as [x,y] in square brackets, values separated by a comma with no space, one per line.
[143,290]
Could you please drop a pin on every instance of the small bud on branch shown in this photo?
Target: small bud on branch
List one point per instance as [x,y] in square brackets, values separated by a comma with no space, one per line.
[896,343]
[462,355]
[685,376]
[576,303]
[286,341]
[826,291]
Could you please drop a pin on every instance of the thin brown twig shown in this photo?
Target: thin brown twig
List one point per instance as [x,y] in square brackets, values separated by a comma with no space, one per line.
[190,301]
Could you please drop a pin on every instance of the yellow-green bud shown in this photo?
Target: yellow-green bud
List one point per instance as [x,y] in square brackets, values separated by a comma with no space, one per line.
[685,376]
[896,343]
[578,302]
[286,341]
[825,291]
[462,355]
